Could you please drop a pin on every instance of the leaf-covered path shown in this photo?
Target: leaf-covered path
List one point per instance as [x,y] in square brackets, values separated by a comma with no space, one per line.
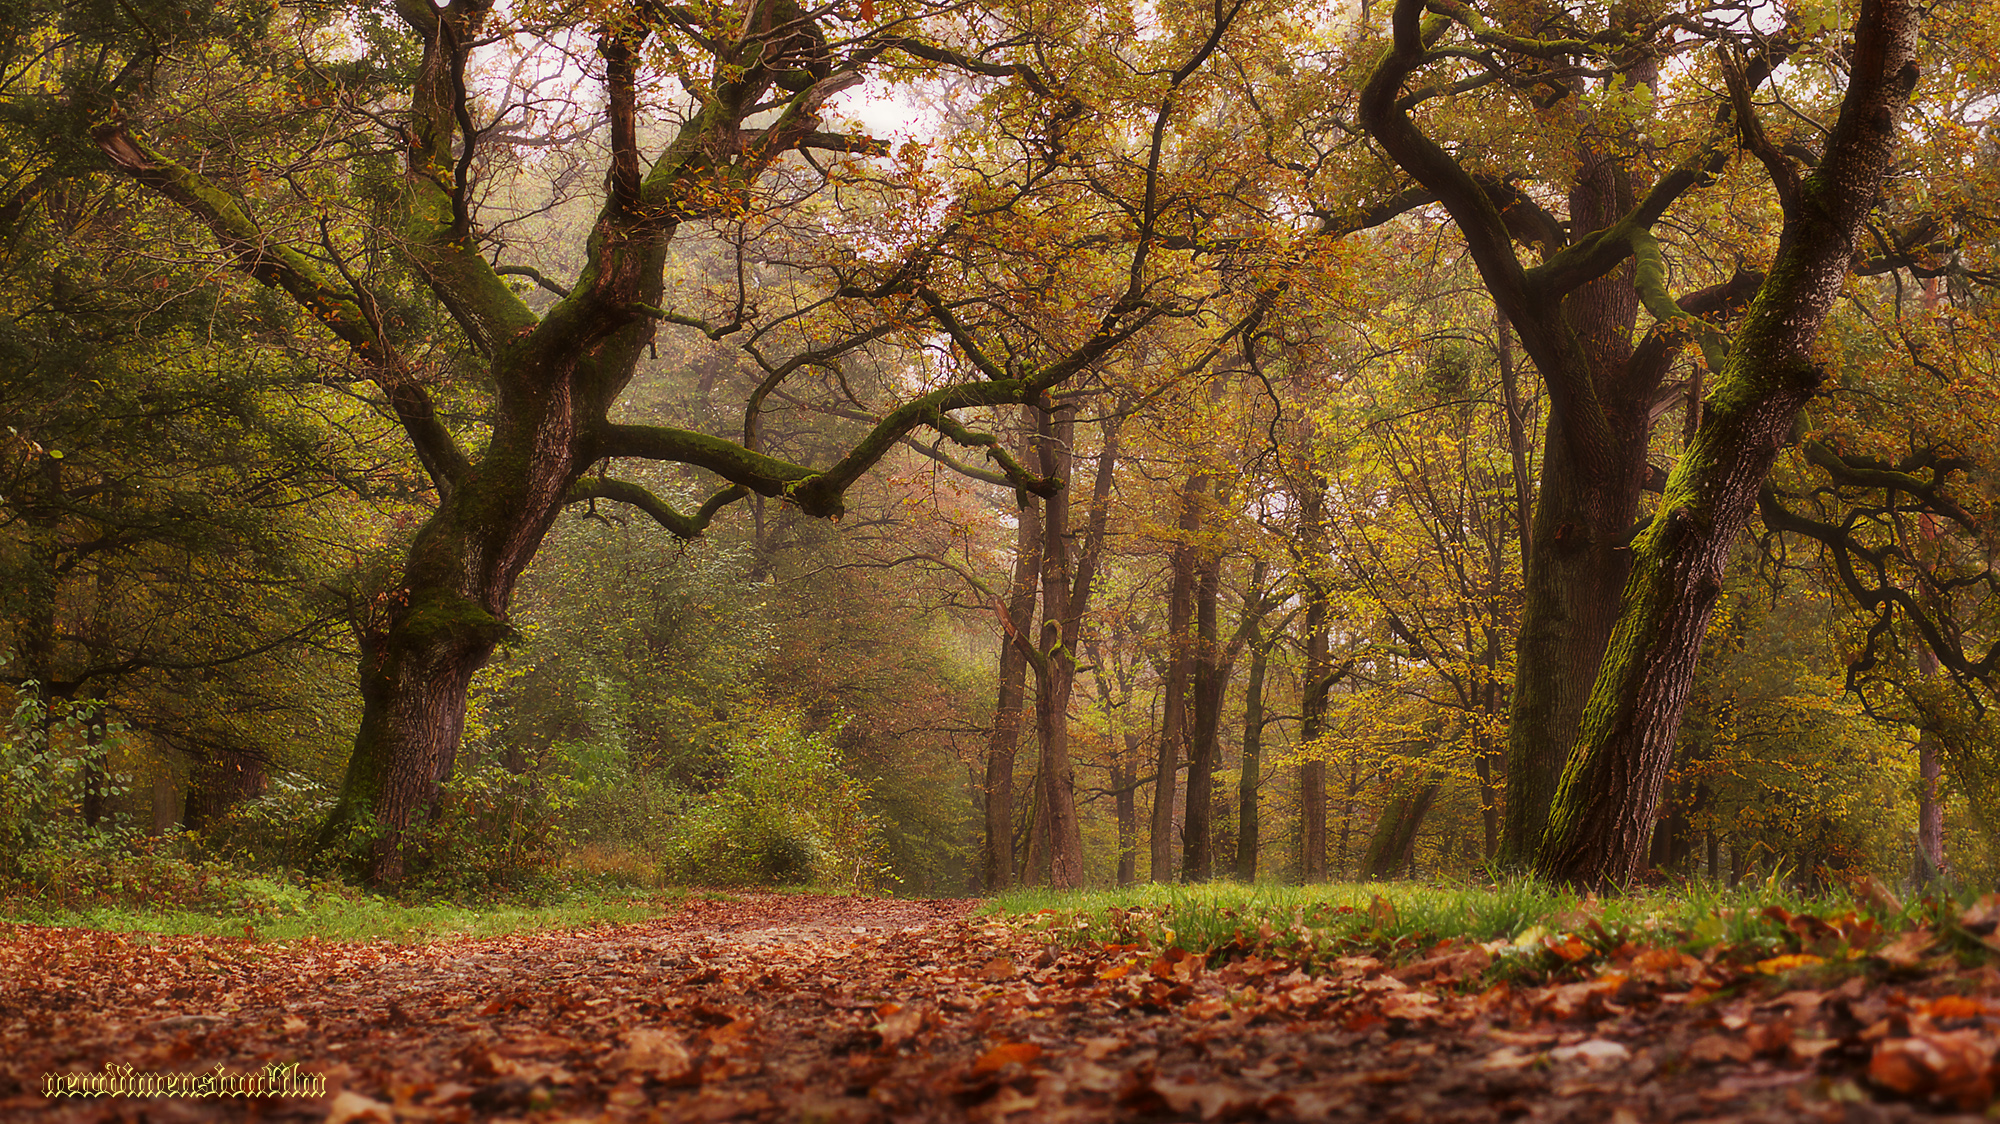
[804,1008]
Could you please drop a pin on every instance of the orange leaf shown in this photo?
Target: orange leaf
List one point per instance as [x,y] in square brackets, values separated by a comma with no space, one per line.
[1004,1055]
[1779,965]
[1570,947]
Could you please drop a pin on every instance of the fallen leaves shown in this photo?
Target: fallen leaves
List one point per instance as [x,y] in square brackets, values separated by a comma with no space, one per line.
[844,1010]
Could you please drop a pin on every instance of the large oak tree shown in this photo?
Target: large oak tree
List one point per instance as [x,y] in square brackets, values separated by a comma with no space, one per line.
[756,77]
[1626,614]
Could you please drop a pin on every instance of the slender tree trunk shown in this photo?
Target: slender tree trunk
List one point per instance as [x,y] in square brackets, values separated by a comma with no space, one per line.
[1125,778]
[1312,704]
[96,751]
[1517,436]
[43,516]
[1247,819]
[1180,664]
[1211,683]
[1930,865]
[997,865]
[219,783]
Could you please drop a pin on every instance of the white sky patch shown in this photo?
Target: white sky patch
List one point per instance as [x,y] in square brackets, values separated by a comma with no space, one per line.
[887,112]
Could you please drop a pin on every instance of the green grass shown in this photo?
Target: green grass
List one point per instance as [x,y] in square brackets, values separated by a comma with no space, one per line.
[1402,920]
[357,917]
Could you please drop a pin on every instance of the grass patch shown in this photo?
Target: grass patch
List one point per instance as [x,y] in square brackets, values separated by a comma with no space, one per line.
[346,915]
[167,886]
[362,917]
[1400,920]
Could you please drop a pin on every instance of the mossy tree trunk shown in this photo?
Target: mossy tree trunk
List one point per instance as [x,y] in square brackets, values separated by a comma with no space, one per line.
[1393,844]
[1574,312]
[1618,768]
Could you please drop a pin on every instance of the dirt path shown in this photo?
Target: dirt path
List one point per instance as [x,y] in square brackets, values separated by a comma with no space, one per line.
[802,1008]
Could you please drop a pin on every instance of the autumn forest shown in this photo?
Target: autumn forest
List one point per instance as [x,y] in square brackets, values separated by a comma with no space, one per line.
[931,448]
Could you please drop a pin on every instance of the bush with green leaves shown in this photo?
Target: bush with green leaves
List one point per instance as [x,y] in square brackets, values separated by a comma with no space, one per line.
[786,813]
[44,778]
[499,832]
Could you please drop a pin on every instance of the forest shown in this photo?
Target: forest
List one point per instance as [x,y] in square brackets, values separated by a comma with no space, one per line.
[930,448]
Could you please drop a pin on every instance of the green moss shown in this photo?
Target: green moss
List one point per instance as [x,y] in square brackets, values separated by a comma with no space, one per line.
[440,614]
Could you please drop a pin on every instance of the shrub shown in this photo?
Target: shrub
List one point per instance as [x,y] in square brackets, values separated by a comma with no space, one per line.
[43,778]
[785,813]
[497,832]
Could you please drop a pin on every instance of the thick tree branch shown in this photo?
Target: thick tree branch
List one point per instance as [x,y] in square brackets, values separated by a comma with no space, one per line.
[663,513]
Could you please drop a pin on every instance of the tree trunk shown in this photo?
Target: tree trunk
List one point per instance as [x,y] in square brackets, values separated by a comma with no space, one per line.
[1393,845]
[553,376]
[219,783]
[1211,684]
[422,641]
[1618,767]
[1066,587]
[997,860]
[96,754]
[1247,819]
[1180,665]
[1317,681]
[1930,860]
[1575,566]
[43,515]
[1125,779]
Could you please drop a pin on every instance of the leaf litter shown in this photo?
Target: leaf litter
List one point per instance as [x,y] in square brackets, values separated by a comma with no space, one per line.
[847,1010]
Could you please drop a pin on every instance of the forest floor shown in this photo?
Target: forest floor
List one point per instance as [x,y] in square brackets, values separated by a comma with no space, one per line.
[827,1009]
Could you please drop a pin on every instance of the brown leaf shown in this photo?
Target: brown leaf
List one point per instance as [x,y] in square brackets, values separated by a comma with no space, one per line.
[1952,1067]
[350,1107]
[1907,951]
[898,1023]
[1382,912]
[1509,1057]
[1592,1052]
[1101,1047]
[1206,1008]
[1982,918]
[1004,1054]
[529,1070]
[659,1054]
[1719,1048]
[1769,1039]
[997,969]
[1569,946]
[1210,1099]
